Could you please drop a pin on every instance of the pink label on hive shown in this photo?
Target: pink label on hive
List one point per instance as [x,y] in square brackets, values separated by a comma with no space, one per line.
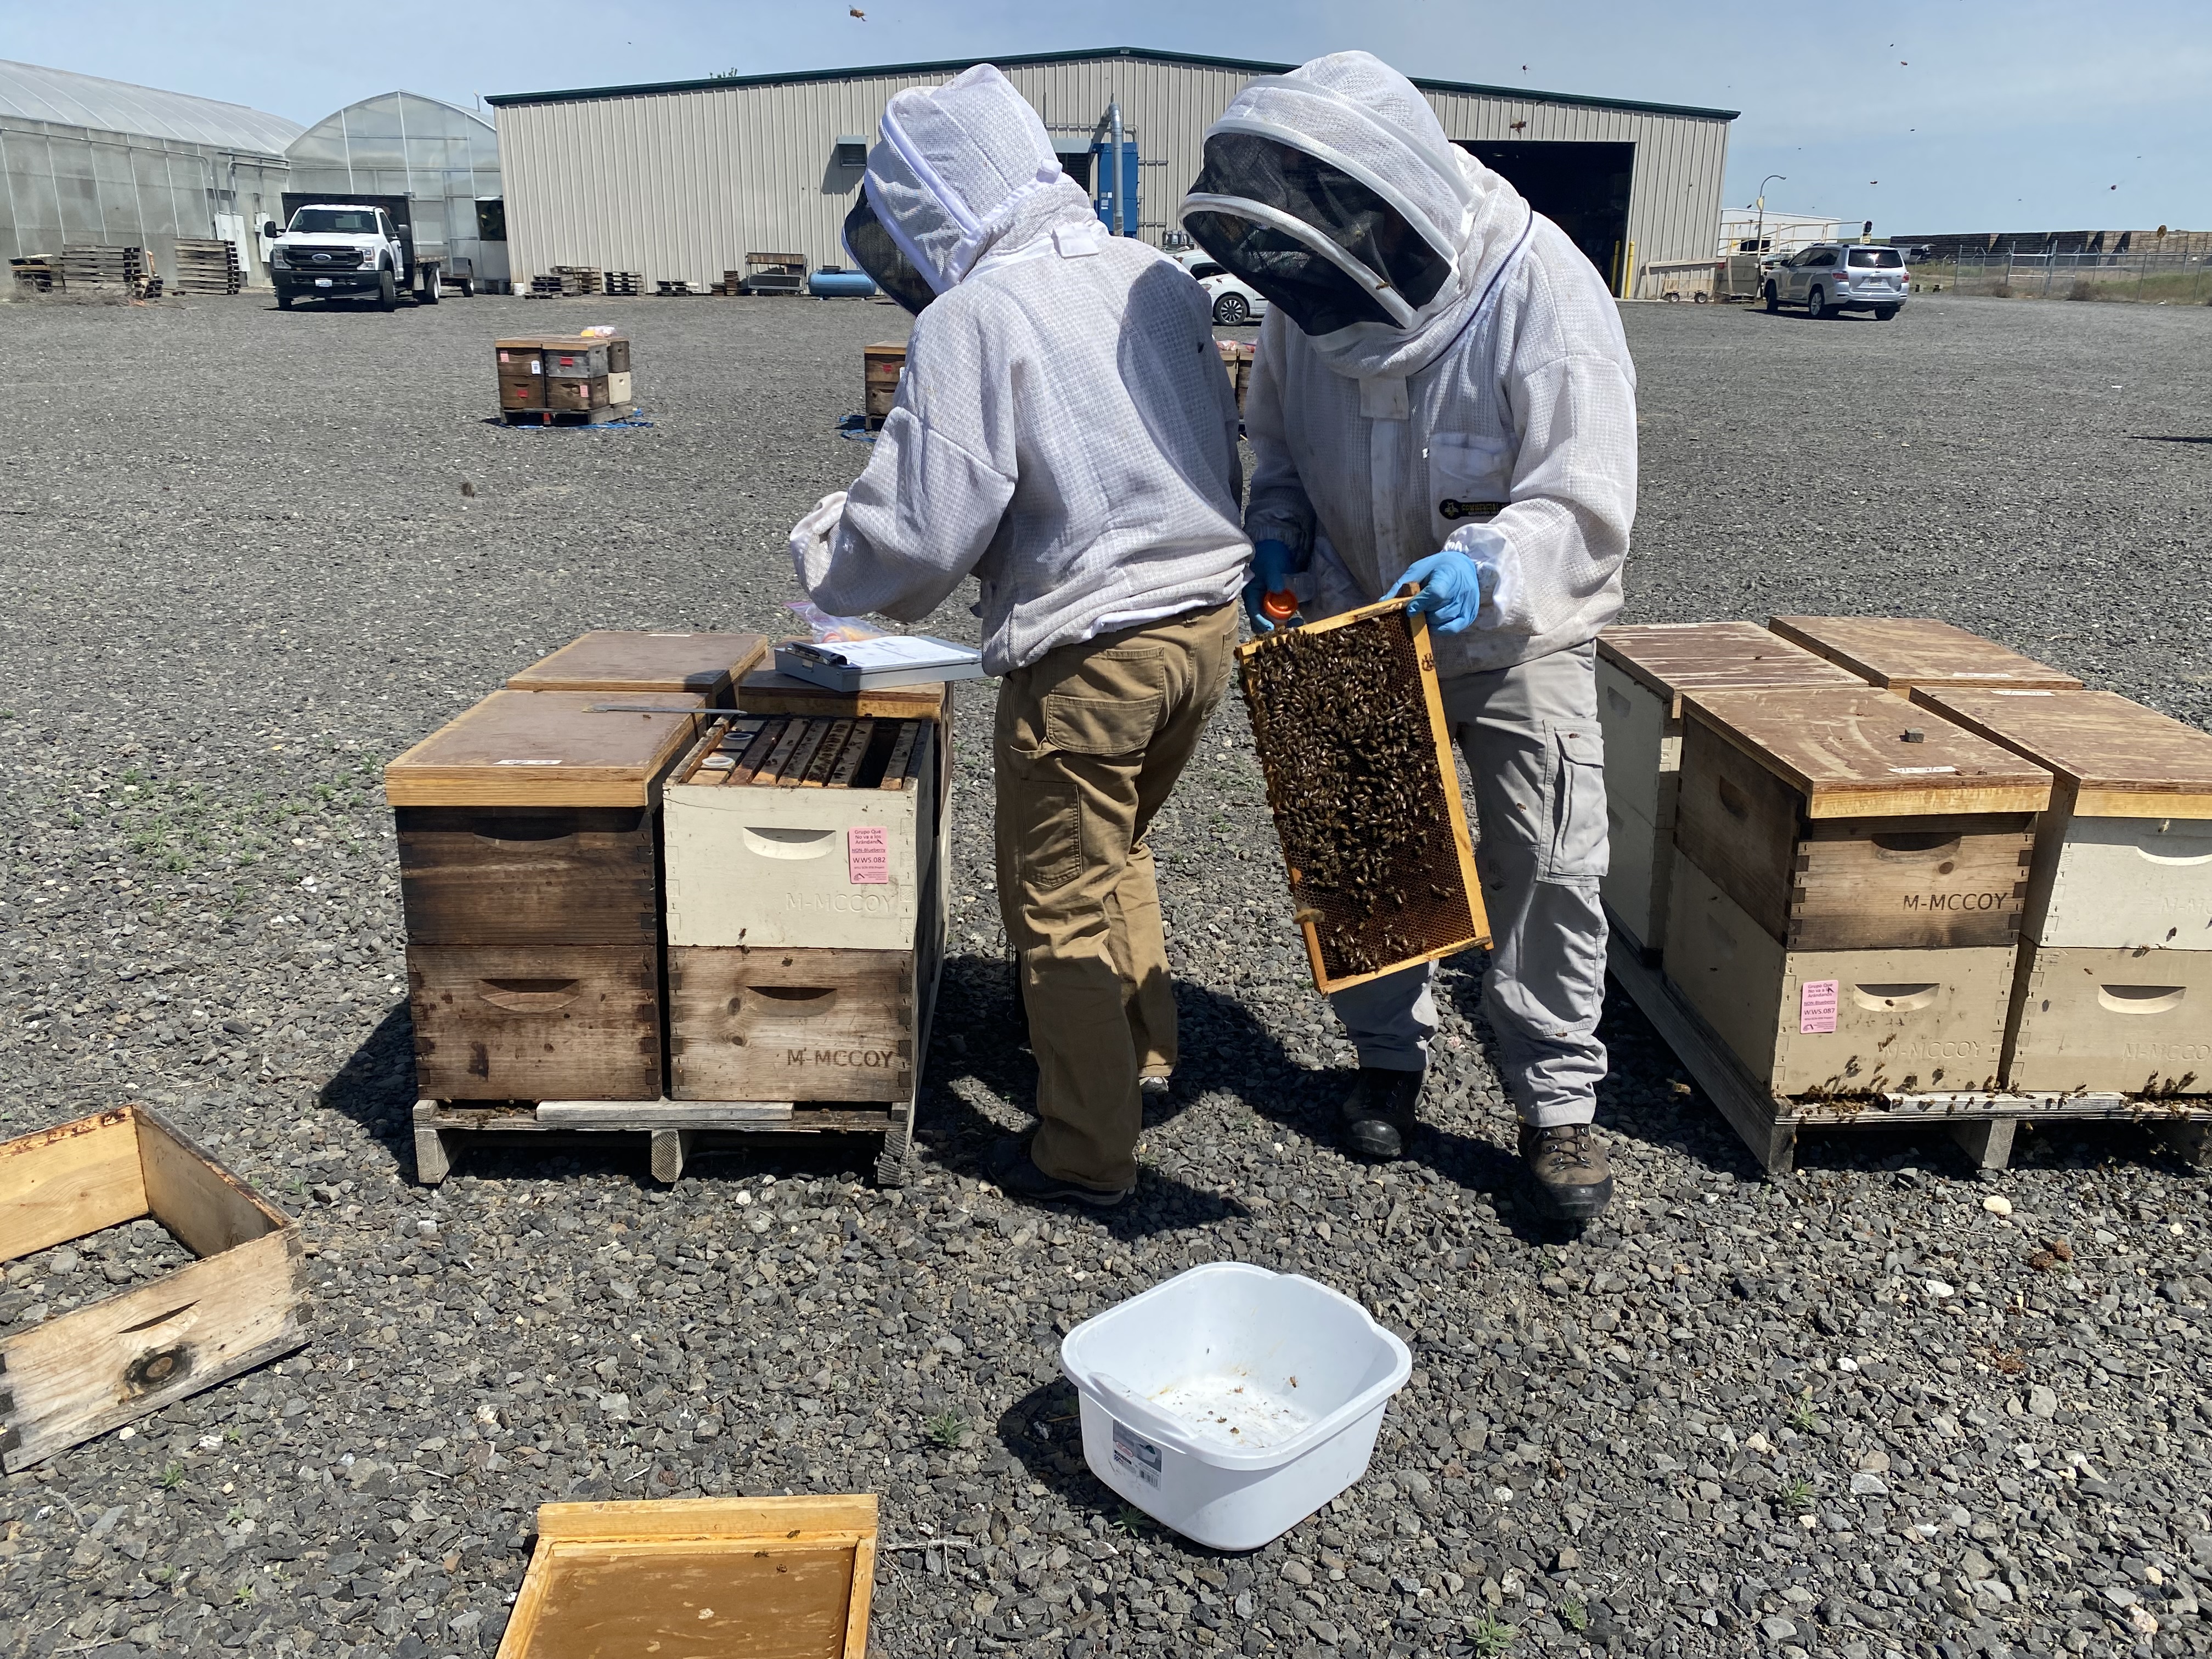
[868,854]
[1816,1005]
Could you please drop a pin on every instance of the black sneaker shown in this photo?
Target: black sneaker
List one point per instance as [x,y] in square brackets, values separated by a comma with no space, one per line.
[1378,1112]
[1013,1172]
[1574,1180]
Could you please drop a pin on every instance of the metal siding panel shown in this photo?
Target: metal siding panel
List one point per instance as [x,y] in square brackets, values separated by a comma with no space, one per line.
[684,184]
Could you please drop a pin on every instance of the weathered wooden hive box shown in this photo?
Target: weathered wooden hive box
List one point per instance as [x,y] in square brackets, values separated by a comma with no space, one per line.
[1643,670]
[1900,652]
[98,1366]
[1349,724]
[528,847]
[2115,990]
[1849,874]
[804,921]
[707,665]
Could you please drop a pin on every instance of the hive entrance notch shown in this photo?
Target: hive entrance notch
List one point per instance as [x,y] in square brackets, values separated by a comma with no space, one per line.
[1349,724]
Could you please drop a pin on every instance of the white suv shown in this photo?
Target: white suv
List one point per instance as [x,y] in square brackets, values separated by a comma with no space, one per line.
[1829,278]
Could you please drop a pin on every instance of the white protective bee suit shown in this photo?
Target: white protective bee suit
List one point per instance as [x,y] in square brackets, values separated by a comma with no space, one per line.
[1469,388]
[1064,432]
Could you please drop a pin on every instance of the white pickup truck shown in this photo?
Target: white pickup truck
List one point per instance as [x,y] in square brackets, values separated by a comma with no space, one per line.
[353,247]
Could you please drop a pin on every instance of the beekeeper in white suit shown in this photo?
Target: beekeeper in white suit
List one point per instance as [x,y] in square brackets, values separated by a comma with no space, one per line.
[1442,396]
[1064,433]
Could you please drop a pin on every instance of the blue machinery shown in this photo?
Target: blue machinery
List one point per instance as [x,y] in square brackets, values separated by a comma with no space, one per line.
[1113,176]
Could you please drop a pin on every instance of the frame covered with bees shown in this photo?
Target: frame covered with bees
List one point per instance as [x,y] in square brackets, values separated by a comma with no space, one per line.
[1350,727]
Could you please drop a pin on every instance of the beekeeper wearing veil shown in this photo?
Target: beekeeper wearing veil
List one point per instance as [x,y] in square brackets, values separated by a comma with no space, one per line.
[1063,432]
[1442,397]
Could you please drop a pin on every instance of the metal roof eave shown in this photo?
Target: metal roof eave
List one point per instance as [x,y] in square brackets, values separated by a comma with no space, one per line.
[954,65]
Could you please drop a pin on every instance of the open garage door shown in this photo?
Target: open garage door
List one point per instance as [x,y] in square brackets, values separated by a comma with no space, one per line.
[1582,188]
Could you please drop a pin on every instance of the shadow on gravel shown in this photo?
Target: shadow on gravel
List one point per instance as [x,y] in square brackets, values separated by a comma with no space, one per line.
[2145,438]
[1058,1462]
[376,1086]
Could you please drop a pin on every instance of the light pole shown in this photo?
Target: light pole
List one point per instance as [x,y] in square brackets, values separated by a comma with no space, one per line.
[1759,237]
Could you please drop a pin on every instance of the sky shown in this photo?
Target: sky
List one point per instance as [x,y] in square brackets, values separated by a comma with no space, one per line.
[1943,115]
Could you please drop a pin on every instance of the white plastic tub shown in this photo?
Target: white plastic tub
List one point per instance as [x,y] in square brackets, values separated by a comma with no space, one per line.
[1231,1402]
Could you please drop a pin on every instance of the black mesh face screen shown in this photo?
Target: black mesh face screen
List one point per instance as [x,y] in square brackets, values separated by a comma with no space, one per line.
[873,250]
[1318,296]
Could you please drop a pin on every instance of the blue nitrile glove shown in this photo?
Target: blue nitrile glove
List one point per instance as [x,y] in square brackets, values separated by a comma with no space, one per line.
[1272,563]
[1453,589]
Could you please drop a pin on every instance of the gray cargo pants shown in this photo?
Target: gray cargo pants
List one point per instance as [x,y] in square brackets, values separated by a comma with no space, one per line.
[1530,736]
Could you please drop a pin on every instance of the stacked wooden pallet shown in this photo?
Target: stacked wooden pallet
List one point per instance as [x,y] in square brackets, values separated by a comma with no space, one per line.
[545,286]
[731,285]
[39,274]
[207,266]
[87,268]
[625,284]
[577,281]
[1977,905]
[672,288]
[786,972]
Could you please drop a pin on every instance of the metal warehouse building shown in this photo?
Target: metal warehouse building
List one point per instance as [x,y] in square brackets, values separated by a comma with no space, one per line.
[85,161]
[682,180]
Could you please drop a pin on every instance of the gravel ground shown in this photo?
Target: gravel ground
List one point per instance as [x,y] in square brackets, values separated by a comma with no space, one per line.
[1862,1412]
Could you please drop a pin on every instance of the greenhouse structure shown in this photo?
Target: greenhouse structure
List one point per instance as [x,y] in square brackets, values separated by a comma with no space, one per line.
[446,159]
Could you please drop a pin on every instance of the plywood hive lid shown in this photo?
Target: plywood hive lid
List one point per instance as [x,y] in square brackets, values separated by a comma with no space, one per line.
[764,691]
[542,749]
[1898,652]
[612,661]
[1844,748]
[1672,657]
[2123,759]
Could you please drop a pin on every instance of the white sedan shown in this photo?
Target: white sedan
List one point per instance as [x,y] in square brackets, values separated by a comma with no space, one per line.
[1235,300]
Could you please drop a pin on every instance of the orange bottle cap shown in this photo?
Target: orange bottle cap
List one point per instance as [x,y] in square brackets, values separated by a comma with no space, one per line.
[1281,605]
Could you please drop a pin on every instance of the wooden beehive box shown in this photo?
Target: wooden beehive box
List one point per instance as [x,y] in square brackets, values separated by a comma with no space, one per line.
[2123,856]
[2133,1022]
[804,831]
[527,834]
[881,366]
[704,1578]
[707,664]
[100,1366]
[1898,652]
[521,368]
[1836,1023]
[1842,817]
[1350,727]
[1642,673]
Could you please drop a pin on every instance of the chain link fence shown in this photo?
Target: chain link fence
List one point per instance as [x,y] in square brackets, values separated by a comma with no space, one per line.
[2156,278]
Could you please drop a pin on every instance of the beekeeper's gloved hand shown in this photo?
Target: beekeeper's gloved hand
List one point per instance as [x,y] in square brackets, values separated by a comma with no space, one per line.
[1272,563]
[809,539]
[1459,587]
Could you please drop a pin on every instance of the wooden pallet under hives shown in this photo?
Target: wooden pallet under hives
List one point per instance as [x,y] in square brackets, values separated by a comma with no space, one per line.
[1982,1122]
[1346,943]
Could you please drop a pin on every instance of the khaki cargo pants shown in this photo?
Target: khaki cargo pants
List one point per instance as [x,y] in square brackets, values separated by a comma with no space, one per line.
[1090,739]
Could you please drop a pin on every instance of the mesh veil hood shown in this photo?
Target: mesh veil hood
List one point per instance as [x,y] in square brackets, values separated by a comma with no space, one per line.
[1353,112]
[963,169]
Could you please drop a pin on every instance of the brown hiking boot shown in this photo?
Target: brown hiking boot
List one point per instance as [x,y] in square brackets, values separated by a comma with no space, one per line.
[1378,1113]
[1573,1179]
